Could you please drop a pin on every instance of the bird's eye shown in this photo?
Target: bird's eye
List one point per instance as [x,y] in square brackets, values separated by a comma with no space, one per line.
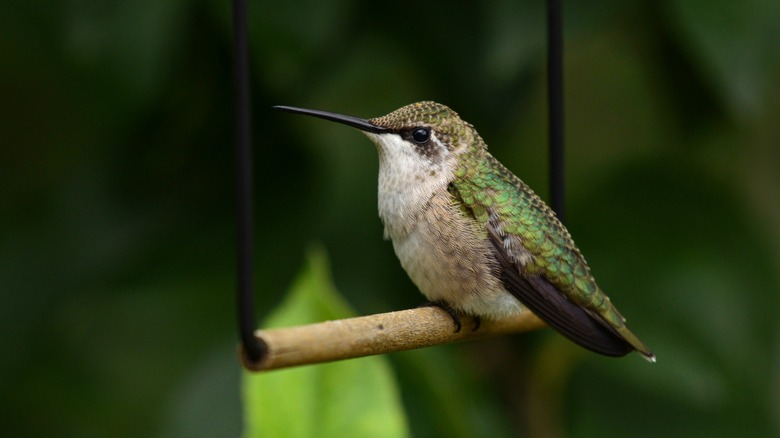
[421,135]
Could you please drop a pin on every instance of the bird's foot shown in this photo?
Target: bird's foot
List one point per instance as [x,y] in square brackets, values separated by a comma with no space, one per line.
[454,314]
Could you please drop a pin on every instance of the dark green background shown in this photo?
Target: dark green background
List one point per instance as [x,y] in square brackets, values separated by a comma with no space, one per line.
[117,243]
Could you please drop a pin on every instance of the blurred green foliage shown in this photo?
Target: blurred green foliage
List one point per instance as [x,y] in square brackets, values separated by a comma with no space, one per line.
[117,253]
[350,398]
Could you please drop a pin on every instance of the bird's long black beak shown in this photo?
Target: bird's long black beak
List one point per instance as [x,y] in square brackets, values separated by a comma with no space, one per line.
[362,124]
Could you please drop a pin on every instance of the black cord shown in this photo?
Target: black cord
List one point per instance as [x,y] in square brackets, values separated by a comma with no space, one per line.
[253,348]
[555,104]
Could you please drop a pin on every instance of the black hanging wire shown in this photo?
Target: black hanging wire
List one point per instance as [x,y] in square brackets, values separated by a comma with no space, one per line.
[252,347]
[555,104]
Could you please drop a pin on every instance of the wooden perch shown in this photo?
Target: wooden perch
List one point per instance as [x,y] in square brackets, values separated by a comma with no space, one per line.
[375,334]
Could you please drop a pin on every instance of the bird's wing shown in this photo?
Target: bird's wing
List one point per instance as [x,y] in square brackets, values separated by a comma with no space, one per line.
[552,306]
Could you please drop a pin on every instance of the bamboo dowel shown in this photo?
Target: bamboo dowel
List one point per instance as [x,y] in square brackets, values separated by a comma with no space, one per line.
[375,334]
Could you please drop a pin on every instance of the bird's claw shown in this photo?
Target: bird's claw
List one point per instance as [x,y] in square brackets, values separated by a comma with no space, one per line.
[454,314]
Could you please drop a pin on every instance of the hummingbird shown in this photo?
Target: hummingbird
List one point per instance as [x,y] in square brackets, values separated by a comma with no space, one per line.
[473,237]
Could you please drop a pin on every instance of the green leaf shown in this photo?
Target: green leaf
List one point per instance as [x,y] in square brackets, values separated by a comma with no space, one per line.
[353,398]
